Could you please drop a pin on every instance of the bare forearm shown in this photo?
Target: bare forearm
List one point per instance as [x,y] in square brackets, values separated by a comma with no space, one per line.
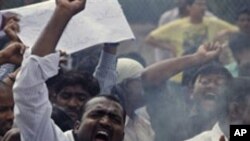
[161,71]
[51,34]
[2,59]
[158,43]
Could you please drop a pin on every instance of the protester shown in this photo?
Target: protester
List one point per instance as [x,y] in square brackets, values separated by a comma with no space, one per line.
[171,113]
[103,117]
[187,33]
[233,105]
[6,109]
[181,11]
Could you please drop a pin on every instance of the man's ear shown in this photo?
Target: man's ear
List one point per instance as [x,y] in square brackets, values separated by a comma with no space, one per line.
[190,91]
[77,125]
[235,110]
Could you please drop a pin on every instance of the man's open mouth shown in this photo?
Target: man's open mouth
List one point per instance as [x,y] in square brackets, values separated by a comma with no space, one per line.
[209,96]
[102,136]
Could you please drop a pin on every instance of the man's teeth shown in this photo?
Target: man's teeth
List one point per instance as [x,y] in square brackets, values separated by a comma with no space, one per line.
[103,133]
[212,94]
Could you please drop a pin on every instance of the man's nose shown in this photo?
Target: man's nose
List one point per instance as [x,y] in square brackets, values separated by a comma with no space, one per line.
[105,120]
[211,85]
[73,102]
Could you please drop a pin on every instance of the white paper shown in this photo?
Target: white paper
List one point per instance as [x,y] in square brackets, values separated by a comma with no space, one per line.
[102,21]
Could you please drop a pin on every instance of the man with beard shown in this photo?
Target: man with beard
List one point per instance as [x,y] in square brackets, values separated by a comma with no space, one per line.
[103,117]
[170,112]
[233,106]
[209,83]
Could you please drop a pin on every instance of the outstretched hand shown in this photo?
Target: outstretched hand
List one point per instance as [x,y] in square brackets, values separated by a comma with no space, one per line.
[72,7]
[209,51]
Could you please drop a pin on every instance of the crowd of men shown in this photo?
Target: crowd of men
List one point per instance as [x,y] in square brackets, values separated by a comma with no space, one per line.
[195,90]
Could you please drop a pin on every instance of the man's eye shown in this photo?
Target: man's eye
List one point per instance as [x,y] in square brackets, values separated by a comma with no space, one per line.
[65,95]
[204,82]
[3,109]
[95,115]
[116,120]
[82,98]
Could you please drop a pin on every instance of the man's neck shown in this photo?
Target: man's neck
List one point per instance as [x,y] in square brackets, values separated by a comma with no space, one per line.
[195,20]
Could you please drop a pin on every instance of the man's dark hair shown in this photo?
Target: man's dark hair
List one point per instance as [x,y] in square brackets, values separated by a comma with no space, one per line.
[190,2]
[88,63]
[213,68]
[189,73]
[109,97]
[84,79]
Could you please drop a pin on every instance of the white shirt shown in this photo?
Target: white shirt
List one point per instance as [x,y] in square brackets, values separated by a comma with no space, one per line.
[211,135]
[139,129]
[32,107]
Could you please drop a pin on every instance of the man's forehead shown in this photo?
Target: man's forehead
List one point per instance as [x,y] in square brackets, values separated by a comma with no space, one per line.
[102,103]
[200,1]
[212,75]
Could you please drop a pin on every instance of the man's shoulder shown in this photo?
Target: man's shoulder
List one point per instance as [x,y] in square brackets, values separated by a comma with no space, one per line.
[169,15]
[213,20]
[176,24]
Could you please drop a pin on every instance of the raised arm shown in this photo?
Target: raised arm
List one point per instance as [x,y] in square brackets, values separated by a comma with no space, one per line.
[50,36]
[32,107]
[105,71]
[161,71]
[161,44]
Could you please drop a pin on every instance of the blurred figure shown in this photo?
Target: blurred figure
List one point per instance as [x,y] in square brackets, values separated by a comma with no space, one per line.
[8,28]
[102,117]
[186,33]
[178,12]
[121,79]
[130,92]
[240,46]
[193,111]
[6,109]
[243,20]
[233,106]
[237,41]
[72,90]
